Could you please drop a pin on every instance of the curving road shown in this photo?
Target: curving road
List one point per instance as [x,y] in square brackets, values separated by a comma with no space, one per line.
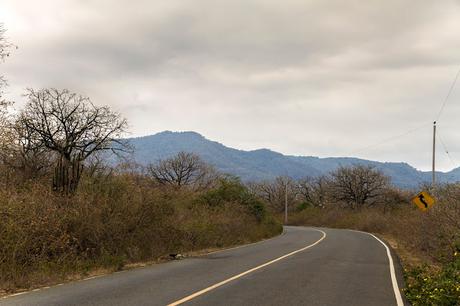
[304,266]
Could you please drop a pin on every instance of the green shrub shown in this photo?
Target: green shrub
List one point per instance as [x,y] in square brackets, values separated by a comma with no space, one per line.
[227,190]
[231,190]
[303,205]
[434,288]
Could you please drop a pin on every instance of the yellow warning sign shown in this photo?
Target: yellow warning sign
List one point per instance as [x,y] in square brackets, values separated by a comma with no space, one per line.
[423,200]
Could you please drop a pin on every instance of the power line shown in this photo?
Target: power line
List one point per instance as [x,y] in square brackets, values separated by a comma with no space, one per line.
[452,160]
[451,89]
[389,139]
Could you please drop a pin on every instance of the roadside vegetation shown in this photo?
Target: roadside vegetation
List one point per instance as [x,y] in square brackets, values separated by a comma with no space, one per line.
[362,198]
[117,217]
[64,213]
[67,211]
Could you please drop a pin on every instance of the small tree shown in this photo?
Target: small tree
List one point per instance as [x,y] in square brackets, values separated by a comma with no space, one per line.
[358,186]
[184,169]
[71,127]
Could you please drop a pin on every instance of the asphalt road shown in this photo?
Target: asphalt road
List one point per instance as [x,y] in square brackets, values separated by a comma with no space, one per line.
[304,266]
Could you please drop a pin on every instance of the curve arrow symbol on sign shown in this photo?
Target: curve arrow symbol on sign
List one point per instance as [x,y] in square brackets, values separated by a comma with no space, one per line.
[422,199]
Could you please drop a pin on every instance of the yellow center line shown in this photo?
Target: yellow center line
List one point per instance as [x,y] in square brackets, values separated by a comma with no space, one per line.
[203,291]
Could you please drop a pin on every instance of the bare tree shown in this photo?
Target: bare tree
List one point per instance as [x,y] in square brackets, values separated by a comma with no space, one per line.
[5,47]
[274,192]
[4,52]
[313,190]
[184,169]
[5,120]
[265,190]
[73,128]
[358,186]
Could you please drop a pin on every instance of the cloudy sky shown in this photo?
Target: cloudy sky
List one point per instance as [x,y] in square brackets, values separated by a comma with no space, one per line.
[323,78]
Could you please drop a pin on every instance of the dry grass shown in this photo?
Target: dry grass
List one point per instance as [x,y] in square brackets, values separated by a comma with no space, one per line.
[428,244]
[430,237]
[111,222]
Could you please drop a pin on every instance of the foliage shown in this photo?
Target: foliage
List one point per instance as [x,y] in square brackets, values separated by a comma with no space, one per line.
[434,288]
[230,189]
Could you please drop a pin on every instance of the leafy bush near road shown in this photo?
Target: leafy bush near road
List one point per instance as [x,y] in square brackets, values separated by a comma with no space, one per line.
[232,190]
[425,287]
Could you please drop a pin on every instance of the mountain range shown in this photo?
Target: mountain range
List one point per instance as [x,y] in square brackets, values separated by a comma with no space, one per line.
[264,164]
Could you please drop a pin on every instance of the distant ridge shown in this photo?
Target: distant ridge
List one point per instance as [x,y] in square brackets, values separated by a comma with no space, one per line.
[264,164]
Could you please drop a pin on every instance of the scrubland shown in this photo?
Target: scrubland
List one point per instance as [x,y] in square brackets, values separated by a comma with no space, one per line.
[68,210]
[427,243]
[72,203]
[115,220]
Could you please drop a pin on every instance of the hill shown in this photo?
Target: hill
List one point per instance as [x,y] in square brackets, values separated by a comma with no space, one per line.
[264,164]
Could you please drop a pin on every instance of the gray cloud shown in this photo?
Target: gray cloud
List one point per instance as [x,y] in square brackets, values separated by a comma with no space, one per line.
[321,78]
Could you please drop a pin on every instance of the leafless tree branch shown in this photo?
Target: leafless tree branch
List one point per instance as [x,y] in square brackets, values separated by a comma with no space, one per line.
[71,126]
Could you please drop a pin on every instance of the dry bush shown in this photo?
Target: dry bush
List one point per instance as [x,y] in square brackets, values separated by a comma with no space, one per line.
[434,235]
[113,219]
[442,223]
[18,153]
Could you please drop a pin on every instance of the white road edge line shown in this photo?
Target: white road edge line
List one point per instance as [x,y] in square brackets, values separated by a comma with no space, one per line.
[205,290]
[394,281]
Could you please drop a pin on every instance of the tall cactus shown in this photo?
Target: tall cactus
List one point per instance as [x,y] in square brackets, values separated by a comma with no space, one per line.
[67,174]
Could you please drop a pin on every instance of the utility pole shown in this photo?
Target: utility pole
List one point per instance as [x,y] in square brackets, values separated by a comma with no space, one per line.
[286,202]
[433,173]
